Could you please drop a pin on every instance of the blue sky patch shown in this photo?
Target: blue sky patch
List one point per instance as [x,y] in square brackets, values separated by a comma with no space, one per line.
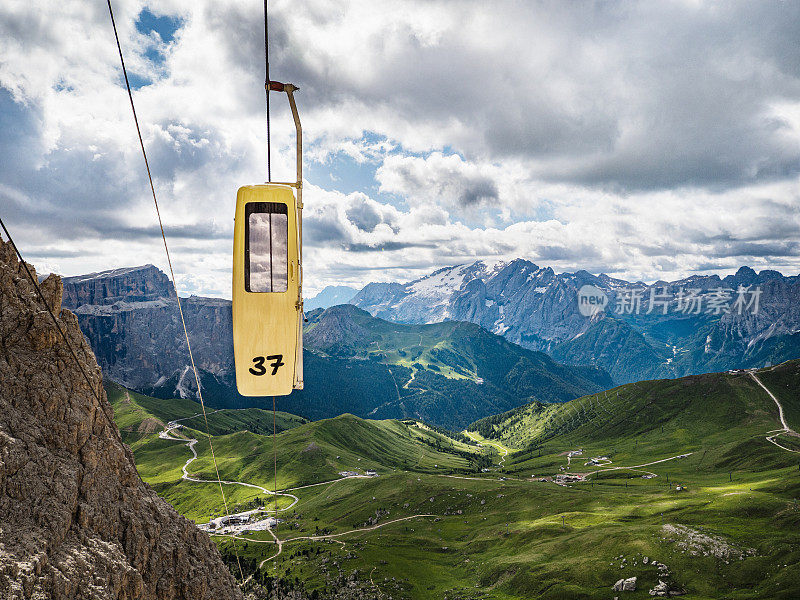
[345,174]
[165,26]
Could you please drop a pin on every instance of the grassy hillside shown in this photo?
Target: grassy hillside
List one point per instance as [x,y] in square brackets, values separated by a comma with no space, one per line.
[783,381]
[308,452]
[656,416]
[433,525]
[138,415]
[318,451]
[445,373]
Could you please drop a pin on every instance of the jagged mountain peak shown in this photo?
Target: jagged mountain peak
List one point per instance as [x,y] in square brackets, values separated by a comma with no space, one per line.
[770,274]
[609,282]
[538,309]
[330,296]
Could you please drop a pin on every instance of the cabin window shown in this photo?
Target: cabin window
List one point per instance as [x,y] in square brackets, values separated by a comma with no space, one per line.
[266,264]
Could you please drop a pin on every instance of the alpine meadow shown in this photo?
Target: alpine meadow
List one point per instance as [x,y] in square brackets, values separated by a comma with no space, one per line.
[399,300]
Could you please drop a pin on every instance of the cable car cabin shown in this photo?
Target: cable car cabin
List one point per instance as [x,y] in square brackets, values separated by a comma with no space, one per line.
[267,307]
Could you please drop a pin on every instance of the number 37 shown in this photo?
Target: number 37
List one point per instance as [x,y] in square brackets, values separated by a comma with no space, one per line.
[258,367]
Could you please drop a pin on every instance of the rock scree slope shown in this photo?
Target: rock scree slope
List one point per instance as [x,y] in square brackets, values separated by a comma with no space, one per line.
[76,521]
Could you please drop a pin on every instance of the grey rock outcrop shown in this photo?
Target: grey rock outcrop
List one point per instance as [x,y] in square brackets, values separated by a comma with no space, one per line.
[625,585]
[663,590]
[77,521]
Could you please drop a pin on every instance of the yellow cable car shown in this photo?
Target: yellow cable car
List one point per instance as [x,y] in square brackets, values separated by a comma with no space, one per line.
[268,281]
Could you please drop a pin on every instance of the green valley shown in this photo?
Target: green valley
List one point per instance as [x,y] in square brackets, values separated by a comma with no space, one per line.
[670,481]
[138,415]
[446,373]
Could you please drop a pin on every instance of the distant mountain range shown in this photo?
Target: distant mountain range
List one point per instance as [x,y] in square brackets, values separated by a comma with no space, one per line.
[662,330]
[448,374]
[354,363]
[330,296]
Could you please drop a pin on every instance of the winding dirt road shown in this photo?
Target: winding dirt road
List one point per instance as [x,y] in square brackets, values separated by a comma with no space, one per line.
[191,442]
[484,442]
[786,430]
[639,467]
[167,434]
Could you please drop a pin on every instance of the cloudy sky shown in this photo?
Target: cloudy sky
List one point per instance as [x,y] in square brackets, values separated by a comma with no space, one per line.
[646,140]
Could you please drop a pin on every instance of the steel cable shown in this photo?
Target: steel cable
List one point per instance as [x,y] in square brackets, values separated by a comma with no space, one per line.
[172,274]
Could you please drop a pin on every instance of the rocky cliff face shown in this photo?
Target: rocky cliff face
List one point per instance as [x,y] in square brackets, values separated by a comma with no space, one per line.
[141,344]
[538,309]
[76,522]
[130,317]
[132,284]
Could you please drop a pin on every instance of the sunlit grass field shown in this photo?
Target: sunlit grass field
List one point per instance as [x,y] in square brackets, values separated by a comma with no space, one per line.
[505,534]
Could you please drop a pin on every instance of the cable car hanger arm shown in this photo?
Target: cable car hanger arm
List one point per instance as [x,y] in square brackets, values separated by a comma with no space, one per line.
[290,89]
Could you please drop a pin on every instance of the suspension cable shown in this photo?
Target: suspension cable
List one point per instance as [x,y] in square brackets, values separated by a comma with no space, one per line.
[61,331]
[275,459]
[174,283]
[266,87]
[269,179]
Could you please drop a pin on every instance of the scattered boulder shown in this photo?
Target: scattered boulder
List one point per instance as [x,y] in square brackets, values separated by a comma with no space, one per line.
[664,590]
[661,589]
[625,585]
[696,543]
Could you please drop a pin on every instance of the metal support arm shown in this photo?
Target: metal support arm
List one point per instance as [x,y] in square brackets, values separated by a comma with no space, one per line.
[290,89]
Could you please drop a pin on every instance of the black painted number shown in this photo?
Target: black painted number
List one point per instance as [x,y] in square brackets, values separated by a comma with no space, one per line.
[258,368]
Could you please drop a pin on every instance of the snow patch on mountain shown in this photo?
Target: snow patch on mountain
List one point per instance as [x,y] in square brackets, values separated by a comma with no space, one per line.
[538,309]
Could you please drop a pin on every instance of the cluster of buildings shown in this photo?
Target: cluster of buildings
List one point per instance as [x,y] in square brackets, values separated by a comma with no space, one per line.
[367,473]
[239,523]
[564,478]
